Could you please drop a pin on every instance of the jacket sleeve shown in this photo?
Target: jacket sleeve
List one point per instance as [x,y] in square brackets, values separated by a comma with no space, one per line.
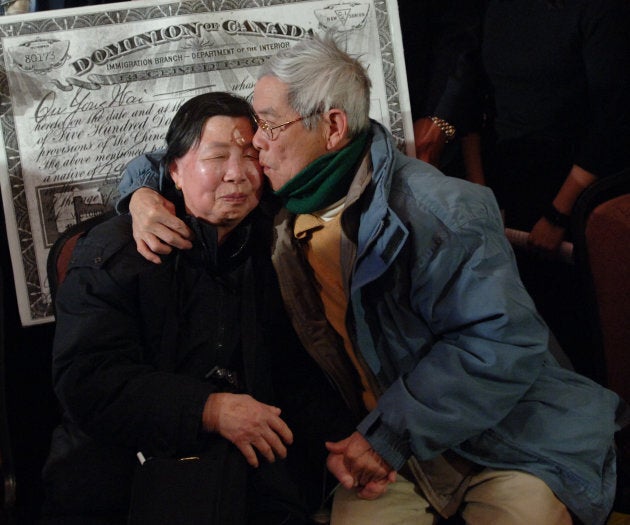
[104,373]
[486,345]
[441,44]
[144,171]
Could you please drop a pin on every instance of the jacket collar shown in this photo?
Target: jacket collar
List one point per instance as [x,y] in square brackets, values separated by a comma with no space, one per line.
[381,233]
[214,258]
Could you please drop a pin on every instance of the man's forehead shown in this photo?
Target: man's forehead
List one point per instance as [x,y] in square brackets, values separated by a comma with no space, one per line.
[270,96]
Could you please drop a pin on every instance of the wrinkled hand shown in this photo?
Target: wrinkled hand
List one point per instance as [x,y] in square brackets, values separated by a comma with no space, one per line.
[357,465]
[155,226]
[249,424]
[429,140]
[545,237]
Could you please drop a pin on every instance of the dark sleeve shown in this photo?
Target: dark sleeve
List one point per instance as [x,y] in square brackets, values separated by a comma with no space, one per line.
[144,171]
[442,41]
[313,408]
[314,411]
[310,405]
[606,55]
[104,373]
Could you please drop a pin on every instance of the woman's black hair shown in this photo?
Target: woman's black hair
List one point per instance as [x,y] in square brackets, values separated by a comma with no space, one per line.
[187,125]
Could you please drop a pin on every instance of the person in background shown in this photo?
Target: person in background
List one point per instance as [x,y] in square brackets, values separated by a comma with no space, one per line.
[402,286]
[441,40]
[177,359]
[558,82]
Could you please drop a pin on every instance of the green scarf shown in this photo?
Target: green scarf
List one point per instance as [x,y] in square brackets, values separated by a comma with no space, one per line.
[325,180]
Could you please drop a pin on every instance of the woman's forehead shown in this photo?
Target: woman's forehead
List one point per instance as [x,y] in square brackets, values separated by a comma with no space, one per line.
[227,130]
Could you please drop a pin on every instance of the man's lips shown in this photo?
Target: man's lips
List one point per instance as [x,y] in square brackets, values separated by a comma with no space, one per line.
[263,165]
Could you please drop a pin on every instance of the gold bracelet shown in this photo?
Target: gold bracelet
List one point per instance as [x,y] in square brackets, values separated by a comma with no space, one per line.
[447,129]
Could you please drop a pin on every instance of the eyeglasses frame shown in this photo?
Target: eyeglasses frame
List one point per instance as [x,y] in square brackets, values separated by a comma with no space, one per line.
[268,130]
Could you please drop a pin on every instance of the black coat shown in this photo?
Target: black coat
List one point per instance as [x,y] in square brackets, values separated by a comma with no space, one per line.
[134,343]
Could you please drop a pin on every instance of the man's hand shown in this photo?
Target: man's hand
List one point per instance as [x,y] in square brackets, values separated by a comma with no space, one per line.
[248,424]
[429,140]
[357,465]
[155,226]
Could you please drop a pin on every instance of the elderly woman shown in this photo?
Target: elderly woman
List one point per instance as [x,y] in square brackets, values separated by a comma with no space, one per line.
[171,360]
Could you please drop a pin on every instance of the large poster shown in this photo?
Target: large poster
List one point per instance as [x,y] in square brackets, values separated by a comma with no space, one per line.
[83,91]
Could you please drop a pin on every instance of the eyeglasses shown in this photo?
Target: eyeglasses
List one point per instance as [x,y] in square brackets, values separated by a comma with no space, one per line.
[268,129]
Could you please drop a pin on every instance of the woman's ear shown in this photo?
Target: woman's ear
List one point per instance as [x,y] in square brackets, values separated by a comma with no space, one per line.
[175,174]
[337,136]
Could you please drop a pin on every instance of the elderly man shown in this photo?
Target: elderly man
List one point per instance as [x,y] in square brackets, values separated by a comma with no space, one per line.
[403,288]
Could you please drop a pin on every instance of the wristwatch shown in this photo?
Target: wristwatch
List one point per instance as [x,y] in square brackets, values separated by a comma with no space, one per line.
[447,129]
[557,218]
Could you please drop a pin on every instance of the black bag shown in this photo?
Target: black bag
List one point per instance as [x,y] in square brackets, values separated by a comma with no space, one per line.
[206,489]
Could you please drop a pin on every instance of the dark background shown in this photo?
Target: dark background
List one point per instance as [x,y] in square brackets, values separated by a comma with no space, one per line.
[31,408]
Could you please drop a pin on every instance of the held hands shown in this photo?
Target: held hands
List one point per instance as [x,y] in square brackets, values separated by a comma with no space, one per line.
[545,237]
[155,226]
[357,465]
[248,424]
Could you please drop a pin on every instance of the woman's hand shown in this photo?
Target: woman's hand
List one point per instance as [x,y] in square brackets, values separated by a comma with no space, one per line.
[252,426]
[429,140]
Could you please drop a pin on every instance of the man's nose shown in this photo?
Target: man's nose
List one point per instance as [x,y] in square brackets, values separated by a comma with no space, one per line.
[259,139]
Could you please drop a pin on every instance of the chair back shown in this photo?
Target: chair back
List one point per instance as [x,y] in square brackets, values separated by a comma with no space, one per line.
[61,251]
[601,221]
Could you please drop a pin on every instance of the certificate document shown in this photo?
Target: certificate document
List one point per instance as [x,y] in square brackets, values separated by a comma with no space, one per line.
[83,91]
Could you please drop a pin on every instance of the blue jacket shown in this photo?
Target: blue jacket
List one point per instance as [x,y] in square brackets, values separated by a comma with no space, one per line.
[456,350]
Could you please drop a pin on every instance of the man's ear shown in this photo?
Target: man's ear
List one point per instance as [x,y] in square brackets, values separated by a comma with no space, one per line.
[337,136]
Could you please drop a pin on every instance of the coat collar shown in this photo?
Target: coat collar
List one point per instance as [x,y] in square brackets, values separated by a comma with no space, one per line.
[381,233]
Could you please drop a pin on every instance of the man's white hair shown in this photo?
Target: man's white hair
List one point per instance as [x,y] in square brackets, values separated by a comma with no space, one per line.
[320,76]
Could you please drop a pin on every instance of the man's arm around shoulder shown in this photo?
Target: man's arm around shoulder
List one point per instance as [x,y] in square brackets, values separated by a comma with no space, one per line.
[156,229]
